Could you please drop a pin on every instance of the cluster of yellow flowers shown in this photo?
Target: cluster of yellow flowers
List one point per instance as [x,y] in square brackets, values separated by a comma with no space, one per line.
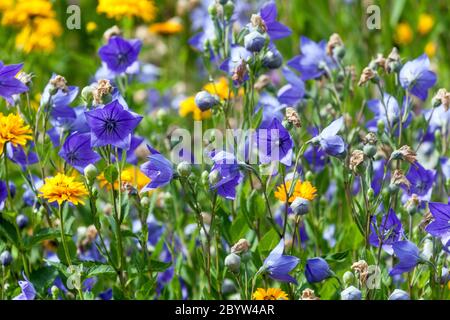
[13,130]
[219,88]
[404,33]
[301,189]
[117,9]
[37,21]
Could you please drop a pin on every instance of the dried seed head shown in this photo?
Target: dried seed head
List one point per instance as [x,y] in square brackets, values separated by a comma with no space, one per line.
[366,75]
[262,82]
[427,218]
[91,233]
[361,267]
[404,153]
[258,22]
[370,138]
[442,97]
[393,61]
[399,179]
[102,89]
[334,41]
[59,82]
[292,117]
[111,32]
[308,294]
[241,246]
[356,158]
[239,72]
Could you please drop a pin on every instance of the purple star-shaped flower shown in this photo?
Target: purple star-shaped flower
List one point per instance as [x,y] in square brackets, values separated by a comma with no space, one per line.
[293,92]
[229,174]
[77,151]
[408,255]
[317,270]
[28,291]
[421,180]
[416,77]
[112,124]
[9,84]
[278,265]
[313,60]
[158,169]
[389,231]
[274,143]
[329,141]
[440,226]
[275,29]
[119,53]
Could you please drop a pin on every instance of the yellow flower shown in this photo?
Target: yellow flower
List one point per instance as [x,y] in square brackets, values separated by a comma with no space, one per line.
[168,27]
[430,49]
[404,33]
[37,22]
[220,88]
[91,26]
[188,106]
[270,294]
[303,190]
[130,176]
[426,23]
[117,9]
[39,35]
[63,188]
[13,130]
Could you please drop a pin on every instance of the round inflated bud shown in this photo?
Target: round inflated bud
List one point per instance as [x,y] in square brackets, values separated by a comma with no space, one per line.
[22,221]
[184,169]
[233,262]
[205,101]
[254,41]
[5,258]
[272,60]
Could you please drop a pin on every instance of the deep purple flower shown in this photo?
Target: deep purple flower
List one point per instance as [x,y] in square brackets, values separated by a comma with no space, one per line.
[158,169]
[28,291]
[278,265]
[416,77]
[18,155]
[77,151]
[275,29]
[274,143]
[112,124]
[329,141]
[119,53]
[3,194]
[9,84]
[389,231]
[317,270]
[421,181]
[378,175]
[313,60]
[316,158]
[293,92]
[227,174]
[440,226]
[408,255]
[106,295]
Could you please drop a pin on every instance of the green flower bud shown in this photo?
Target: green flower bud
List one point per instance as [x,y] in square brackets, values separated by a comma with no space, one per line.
[370,194]
[145,202]
[214,177]
[228,9]
[438,135]
[90,172]
[380,126]
[87,94]
[348,278]
[184,169]
[204,178]
[212,10]
[370,150]
[55,292]
[309,176]
[233,262]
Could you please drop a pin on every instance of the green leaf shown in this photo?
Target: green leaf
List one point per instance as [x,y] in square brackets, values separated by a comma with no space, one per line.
[43,278]
[396,12]
[99,269]
[338,256]
[41,235]
[158,266]
[256,205]
[256,121]
[239,228]
[269,241]
[111,173]
[8,230]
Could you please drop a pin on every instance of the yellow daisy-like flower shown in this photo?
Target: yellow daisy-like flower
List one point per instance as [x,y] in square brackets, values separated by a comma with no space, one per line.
[219,88]
[131,176]
[403,33]
[430,49]
[118,9]
[37,22]
[270,294]
[303,190]
[13,130]
[425,24]
[169,27]
[62,188]
[188,106]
